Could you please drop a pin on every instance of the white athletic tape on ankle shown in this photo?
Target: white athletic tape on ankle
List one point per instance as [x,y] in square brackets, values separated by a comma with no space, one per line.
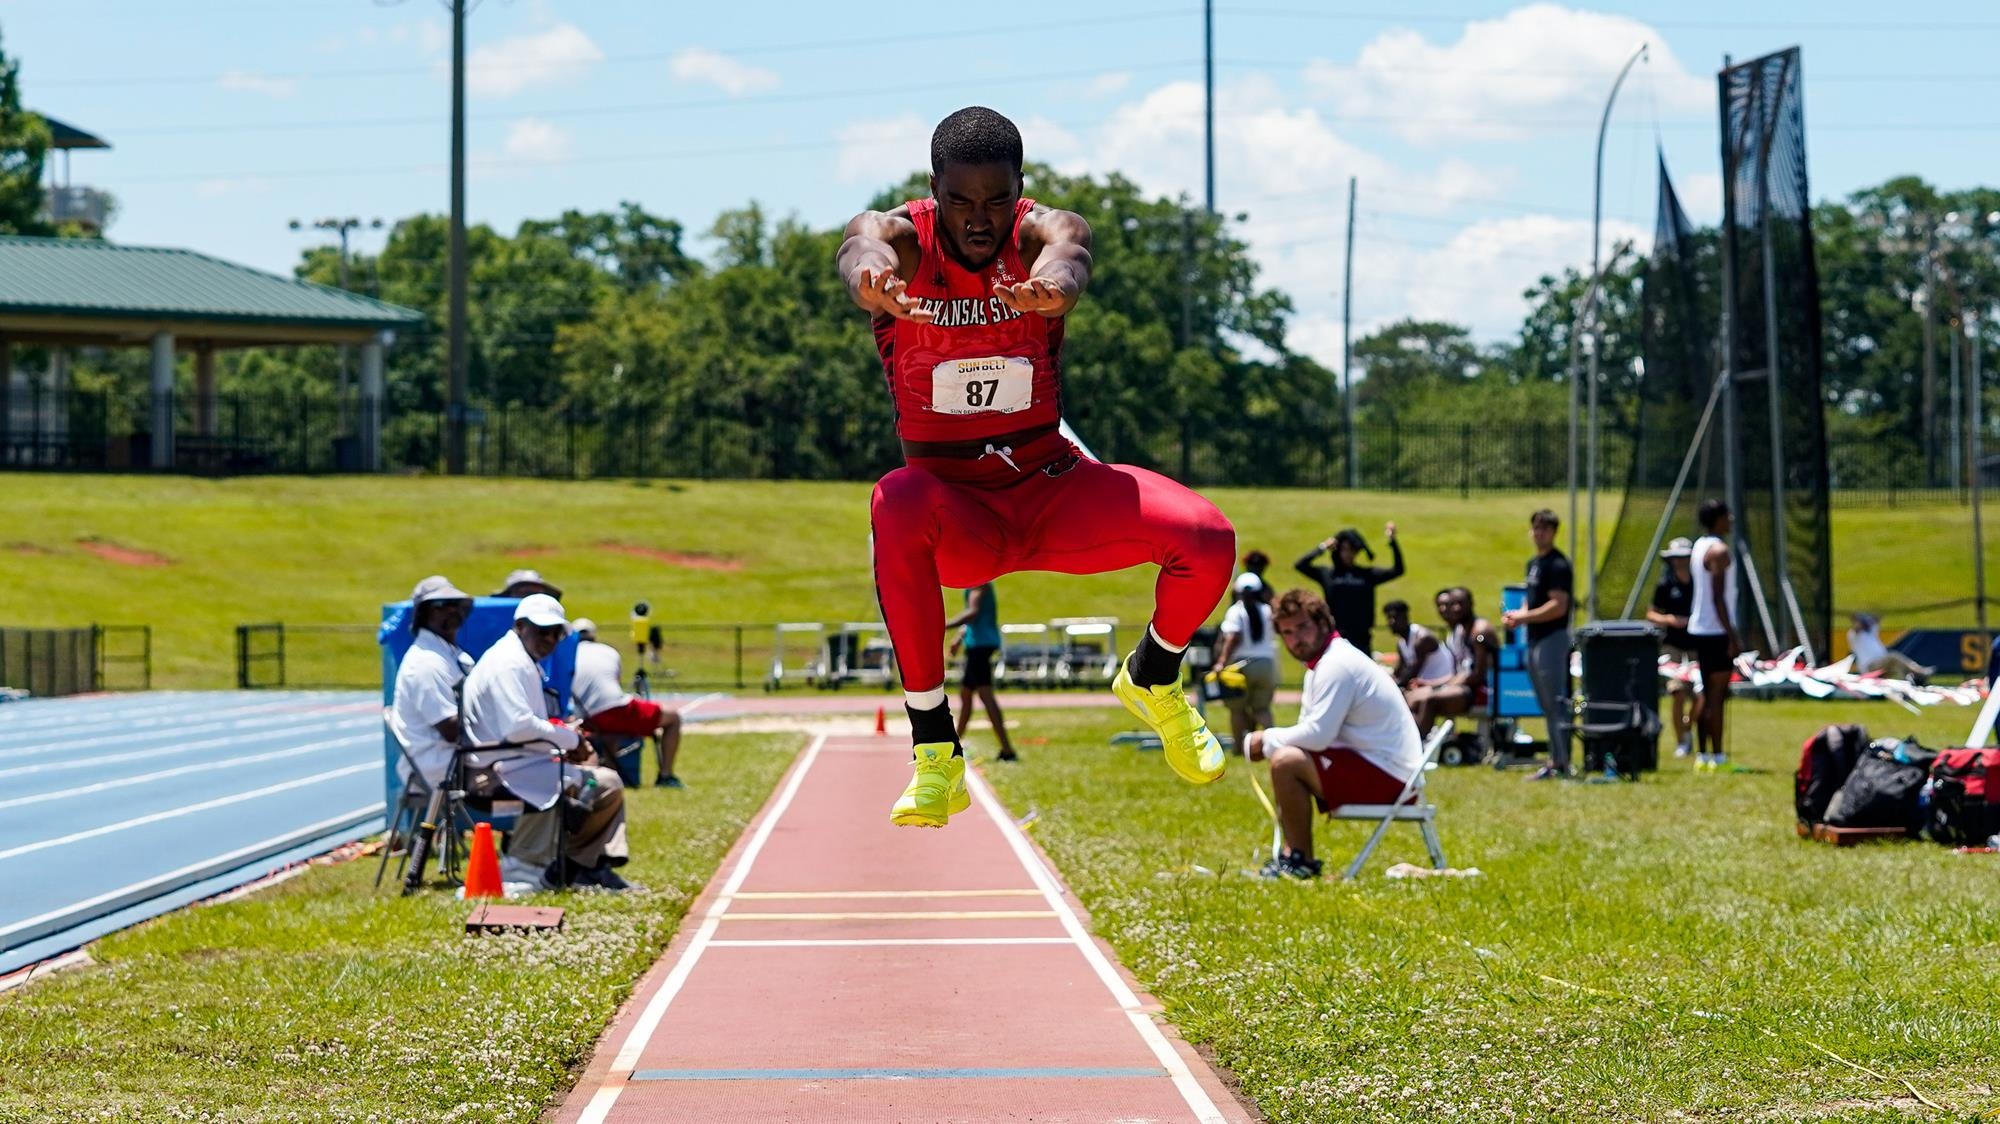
[1150,631]
[925,700]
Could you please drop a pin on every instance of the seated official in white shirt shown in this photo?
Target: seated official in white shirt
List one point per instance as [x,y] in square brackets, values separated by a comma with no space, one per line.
[423,715]
[507,711]
[1354,742]
[598,691]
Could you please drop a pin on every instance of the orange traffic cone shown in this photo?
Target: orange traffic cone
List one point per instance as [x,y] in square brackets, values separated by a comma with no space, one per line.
[482,869]
[881,720]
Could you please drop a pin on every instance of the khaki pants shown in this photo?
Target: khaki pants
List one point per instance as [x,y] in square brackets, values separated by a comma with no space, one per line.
[602,835]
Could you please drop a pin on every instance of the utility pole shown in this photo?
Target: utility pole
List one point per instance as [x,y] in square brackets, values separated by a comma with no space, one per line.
[1930,354]
[1208,96]
[1973,440]
[1347,346]
[459,358]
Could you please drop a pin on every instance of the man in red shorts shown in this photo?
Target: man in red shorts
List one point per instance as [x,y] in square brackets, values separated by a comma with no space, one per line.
[608,709]
[968,290]
[1354,743]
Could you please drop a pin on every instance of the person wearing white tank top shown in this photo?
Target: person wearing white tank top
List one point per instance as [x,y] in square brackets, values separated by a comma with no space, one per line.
[1712,627]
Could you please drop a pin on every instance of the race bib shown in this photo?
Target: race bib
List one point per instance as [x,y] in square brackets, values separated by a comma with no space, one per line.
[993,385]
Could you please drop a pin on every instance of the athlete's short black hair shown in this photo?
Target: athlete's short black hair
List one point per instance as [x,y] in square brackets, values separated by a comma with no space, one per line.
[1710,513]
[975,135]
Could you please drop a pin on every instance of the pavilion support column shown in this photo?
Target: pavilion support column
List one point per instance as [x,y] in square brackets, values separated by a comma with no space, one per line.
[163,400]
[204,388]
[371,405]
[6,399]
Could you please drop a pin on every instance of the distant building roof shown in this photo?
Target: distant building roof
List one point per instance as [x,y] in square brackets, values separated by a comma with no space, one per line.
[69,136]
[80,279]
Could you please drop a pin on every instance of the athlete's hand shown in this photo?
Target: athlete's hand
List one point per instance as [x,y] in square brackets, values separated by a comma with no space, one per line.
[1253,746]
[1036,294]
[885,294]
[1390,531]
[956,645]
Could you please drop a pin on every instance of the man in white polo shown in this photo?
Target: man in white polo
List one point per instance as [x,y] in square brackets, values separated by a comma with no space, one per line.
[1354,742]
[424,714]
[608,708]
[507,710]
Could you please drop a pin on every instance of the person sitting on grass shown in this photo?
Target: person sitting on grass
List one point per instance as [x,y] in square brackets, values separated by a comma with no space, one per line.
[608,709]
[1354,742]
[1473,648]
[1419,656]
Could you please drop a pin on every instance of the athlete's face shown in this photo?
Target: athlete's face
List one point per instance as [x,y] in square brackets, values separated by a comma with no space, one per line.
[976,208]
[1448,608]
[1398,622]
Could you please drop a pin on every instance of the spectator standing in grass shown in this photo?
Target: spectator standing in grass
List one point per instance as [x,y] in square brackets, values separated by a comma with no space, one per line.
[1349,586]
[424,714]
[1354,742]
[645,635]
[1255,563]
[1673,603]
[1249,635]
[1472,647]
[1551,585]
[1712,629]
[597,687]
[980,641]
[507,711]
[1419,656]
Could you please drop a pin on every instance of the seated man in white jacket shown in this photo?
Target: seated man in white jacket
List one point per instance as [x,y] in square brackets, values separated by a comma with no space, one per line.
[506,707]
[1354,742]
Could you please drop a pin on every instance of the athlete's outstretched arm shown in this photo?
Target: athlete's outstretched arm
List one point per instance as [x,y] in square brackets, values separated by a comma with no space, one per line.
[875,261]
[1056,247]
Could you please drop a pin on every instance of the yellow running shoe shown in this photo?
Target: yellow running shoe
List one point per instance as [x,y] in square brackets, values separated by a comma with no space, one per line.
[1191,749]
[960,799]
[928,802]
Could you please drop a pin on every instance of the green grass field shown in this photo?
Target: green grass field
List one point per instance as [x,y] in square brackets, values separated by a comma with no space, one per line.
[322,1000]
[1660,951]
[332,550]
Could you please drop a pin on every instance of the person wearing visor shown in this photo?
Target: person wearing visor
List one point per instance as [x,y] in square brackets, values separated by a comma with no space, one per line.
[424,714]
[1348,585]
[508,716]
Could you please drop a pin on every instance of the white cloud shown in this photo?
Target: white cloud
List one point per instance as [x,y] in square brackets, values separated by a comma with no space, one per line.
[882,150]
[1108,83]
[536,140]
[507,66]
[257,84]
[701,65]
[1504,76]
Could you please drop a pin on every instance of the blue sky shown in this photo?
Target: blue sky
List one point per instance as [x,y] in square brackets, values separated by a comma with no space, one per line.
[1470,126]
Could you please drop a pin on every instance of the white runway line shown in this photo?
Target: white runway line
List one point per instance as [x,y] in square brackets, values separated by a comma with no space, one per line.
[656,1008]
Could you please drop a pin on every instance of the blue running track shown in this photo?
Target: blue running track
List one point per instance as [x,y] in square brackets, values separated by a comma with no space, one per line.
[117,808]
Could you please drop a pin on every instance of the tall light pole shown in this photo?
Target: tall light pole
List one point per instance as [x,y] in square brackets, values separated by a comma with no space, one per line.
[1347,346]
[1208,98]
[459,356]
[1596,223]
[340,228]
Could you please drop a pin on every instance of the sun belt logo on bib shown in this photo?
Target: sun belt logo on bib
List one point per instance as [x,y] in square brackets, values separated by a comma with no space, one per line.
[992,385]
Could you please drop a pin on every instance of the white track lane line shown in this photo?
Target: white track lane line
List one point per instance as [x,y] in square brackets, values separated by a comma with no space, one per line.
[166,728]
[84,719]
[656,1008]
[183,770]
[171,750]
[187,810]
[1197,1098]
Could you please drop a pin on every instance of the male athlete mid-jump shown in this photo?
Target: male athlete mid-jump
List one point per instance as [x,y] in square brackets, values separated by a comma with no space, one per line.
[968,290]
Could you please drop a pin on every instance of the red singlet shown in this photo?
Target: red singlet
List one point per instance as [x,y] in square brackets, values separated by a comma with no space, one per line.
[980,370]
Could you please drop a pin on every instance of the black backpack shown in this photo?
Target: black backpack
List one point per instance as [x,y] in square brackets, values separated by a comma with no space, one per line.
[1824,762]
[1882,790]
[1965,797]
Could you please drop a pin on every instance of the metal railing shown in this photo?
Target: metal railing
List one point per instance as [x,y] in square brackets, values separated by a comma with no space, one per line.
[124,657]
[319,657]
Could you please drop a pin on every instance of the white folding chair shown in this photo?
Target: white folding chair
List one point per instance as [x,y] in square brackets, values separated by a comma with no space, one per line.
[1410,806]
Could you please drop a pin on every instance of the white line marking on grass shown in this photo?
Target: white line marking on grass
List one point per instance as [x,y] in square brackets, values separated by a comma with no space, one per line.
[627,1059]
[882,942]
[183,770]
[187,810]
[1197,1098]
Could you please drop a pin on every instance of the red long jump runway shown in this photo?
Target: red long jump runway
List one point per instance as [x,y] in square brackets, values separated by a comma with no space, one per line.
[842,969]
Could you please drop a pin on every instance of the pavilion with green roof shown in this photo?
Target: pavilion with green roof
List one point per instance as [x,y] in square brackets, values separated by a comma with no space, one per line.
[75,292]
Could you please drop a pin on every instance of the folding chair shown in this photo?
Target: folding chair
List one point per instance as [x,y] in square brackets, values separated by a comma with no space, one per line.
[1410,805]
[415,801]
